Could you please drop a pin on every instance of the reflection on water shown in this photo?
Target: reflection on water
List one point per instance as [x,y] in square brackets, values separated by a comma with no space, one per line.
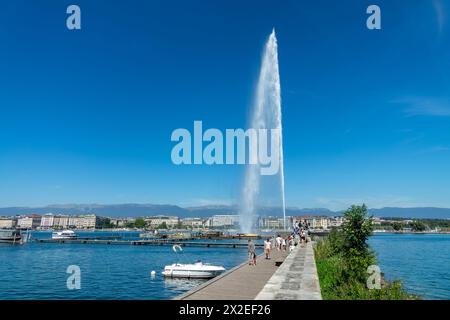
[182,284]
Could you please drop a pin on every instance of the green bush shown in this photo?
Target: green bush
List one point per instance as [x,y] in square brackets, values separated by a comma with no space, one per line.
[342,259]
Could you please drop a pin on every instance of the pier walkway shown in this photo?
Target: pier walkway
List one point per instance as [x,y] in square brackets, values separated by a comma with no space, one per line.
[243,282]
[157,242]
[295,279]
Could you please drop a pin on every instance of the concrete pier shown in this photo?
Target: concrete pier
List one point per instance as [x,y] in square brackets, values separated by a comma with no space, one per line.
[295,279]
[243,282]
[159,242]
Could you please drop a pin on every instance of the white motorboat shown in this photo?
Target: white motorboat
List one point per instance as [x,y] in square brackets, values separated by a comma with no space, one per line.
[66,234]
[198,270]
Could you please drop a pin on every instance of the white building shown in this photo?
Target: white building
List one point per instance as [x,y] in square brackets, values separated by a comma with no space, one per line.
[7,223]
[194,223]
[336,221]
[156,221]
[61,222]
[314,222]
[270,223]
[86,221]
[47,221]
[221,221]
[274,222]
[25,223]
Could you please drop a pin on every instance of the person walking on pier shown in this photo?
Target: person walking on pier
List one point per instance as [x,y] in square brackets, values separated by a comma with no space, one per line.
[278,240]
[303,238]
[251,253]
[267,248]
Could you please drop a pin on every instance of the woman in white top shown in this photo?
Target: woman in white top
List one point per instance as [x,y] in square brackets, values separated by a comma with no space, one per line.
[278,239]
[267,248]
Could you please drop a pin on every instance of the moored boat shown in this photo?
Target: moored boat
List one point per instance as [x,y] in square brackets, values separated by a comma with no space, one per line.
[10,236]
[197,270]
[66,234]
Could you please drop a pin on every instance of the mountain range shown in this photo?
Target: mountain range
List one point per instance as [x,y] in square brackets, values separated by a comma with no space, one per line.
[140,210]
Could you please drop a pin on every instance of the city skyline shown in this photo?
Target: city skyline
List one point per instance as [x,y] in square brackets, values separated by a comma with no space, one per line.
[88,114]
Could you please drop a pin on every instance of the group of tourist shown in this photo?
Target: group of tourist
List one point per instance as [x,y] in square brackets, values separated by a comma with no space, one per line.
[299,235]
[301,232]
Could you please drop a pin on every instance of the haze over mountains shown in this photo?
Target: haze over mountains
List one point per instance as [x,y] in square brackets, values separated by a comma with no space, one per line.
[140,210]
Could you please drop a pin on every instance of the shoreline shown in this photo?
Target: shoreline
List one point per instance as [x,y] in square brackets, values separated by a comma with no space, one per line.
[411,232]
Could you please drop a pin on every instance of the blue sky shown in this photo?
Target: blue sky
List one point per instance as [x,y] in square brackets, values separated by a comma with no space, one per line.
[86,116]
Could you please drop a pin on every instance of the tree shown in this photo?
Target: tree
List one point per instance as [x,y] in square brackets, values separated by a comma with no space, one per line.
[418,226]
[105,223]
[397,226]
[343,258]
[139,223]
[130,225]
[163,225]
[356,229]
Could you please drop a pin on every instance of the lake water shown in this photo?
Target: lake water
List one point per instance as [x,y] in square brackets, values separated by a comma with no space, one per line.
[38,270]
[421,261]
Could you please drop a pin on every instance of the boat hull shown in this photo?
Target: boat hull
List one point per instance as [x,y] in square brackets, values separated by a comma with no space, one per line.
[10,236]
[192,271]
[64,235]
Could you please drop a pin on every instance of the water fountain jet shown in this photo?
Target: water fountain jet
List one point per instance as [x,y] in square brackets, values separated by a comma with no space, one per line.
[265,114]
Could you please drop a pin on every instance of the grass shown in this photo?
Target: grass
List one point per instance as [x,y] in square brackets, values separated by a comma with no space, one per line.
[343,279]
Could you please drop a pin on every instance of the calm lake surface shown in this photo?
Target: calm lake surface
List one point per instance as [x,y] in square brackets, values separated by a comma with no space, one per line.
[421,261]
[38,270]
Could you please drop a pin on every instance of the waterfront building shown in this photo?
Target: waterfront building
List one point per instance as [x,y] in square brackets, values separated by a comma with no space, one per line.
[193,223]
[272,222]
[72,222]
[118,222]
[47,221]
[29,222]
[156,221]
[321,223]
[25,223]
[336,222]
[377,221]
[7,223]
[222,221]
[61,222]
[275,222]
[88,221]
[315,222]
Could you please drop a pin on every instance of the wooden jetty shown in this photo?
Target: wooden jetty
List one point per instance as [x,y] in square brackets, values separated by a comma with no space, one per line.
[154,242]
[243,282]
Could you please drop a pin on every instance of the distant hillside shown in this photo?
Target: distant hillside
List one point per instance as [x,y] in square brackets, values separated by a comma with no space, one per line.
[423,212]
[116,210]
[140,210]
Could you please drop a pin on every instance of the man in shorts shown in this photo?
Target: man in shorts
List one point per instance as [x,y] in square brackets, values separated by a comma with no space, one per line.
[251,253]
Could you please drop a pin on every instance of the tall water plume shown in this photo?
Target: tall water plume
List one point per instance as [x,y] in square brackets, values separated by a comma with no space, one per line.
[265,114]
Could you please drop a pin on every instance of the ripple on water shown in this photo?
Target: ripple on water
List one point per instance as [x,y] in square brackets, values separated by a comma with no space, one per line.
[420,260]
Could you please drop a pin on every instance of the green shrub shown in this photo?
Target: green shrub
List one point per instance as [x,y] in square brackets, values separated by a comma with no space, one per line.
[342,259]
